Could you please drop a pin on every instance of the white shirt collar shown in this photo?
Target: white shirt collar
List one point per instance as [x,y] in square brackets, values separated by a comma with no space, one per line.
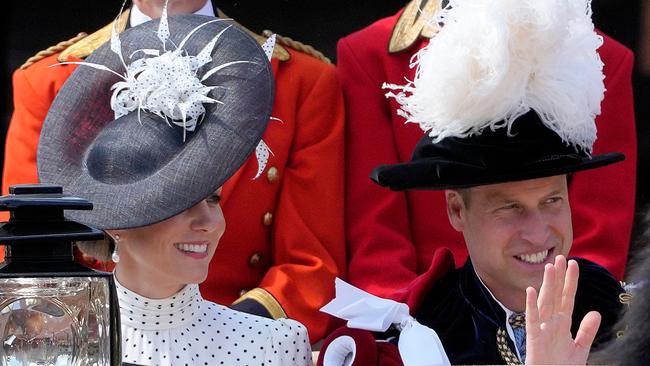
[138,17]
[508,312]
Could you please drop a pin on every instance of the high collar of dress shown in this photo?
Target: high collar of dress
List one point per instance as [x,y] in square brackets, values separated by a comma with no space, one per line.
[139,312]
[138,17]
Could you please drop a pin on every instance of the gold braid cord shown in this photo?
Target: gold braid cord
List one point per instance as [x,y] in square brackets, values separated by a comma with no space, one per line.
[624,297]
[506,353]
[53,49]
[298,46]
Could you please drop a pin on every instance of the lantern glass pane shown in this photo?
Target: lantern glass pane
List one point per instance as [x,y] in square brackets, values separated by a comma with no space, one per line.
[54,321]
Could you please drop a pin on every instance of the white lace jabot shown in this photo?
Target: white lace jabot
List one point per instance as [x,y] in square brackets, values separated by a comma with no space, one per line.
[185,329]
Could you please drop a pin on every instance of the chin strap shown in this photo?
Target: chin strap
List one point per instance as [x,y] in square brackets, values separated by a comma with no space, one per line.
[368,312]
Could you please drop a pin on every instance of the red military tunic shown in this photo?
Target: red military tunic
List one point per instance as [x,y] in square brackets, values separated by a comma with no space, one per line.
[284,238]
[285,230]
[392,235]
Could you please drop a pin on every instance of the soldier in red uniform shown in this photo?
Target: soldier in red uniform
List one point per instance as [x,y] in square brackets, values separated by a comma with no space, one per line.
[284,244]
[402,230]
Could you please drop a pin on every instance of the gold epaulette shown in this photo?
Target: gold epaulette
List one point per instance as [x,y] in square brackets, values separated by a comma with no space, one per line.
[87,45]
[414,23]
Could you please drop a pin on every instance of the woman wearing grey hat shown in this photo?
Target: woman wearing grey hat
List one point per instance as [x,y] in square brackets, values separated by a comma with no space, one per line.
[191,97]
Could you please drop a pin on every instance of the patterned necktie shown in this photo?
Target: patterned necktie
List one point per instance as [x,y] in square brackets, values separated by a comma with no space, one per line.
[518,324]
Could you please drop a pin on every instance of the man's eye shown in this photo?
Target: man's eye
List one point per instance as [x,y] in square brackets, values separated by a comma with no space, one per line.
[510,207]
[553,200]
[215,198]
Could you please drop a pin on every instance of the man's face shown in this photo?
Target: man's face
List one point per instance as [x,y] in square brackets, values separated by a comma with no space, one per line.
[512,230]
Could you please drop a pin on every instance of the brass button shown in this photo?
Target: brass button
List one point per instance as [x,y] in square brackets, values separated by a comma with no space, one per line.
[267,219]
[272,174]
[242,292]
[254,259]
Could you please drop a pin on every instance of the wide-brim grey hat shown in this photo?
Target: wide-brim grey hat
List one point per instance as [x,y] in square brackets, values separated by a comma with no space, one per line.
[137,169]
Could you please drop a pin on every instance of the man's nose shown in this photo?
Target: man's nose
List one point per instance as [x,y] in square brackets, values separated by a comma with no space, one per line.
[535,228]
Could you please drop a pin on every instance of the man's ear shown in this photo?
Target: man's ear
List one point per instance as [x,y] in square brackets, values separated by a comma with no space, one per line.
[455,209]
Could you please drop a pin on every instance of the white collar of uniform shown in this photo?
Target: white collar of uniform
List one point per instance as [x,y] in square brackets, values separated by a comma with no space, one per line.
[138,17]
[508,312]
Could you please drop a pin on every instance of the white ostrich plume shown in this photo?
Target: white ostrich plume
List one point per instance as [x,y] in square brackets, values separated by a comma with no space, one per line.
[493,61]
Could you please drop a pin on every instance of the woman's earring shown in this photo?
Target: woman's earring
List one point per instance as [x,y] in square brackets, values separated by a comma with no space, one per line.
[115,257]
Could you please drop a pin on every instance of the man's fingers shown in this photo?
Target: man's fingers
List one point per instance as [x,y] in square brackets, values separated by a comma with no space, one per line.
[560,272]
[532,315]
[545,301]
[570,288]
[587,332]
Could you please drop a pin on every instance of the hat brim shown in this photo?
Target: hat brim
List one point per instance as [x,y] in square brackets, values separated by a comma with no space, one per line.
[439,174]
[229,132]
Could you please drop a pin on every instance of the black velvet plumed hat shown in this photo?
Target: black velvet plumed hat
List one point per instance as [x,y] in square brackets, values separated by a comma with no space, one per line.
[142,166]
[530,151]
[504,93]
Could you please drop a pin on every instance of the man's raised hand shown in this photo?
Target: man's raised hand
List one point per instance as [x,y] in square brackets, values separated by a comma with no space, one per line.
[548,319]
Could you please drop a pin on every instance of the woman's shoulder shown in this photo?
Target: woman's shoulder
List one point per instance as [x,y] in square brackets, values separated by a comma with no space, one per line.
[285,341]
[288,343]
[286,328]
[289,329]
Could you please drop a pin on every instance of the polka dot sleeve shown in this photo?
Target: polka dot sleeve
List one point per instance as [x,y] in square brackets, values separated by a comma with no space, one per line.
[288,344]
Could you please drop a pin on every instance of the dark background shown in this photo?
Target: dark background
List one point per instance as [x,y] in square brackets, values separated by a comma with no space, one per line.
[33,25]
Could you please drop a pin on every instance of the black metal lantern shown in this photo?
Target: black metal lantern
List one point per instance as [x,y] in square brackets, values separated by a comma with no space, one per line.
[53,311]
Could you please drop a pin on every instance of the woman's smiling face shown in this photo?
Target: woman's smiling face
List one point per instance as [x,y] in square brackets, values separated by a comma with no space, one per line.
[171,253]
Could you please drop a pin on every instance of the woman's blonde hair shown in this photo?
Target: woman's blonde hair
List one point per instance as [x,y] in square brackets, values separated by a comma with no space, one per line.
[98,249]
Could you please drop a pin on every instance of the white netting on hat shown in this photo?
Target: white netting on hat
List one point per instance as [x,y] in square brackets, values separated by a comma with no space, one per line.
[493,61]
[167,84]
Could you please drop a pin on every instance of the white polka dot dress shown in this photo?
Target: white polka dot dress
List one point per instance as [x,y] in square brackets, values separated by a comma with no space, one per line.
[187,330]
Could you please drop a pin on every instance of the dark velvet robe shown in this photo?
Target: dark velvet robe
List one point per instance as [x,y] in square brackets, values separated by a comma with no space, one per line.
[466,317]
[455,304]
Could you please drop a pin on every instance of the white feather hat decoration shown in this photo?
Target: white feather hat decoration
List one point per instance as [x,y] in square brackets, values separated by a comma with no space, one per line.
[493,61]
